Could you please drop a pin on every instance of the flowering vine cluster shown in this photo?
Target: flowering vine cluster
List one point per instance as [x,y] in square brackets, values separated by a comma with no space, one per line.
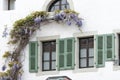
[20,36]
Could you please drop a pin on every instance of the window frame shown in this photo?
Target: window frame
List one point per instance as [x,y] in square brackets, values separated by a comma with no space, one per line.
[9,5]
[48,3]
[50,55]
[119,49]
[60,5]
[83,35]
[9,1]
[40,40]
[116,65]
[87,47]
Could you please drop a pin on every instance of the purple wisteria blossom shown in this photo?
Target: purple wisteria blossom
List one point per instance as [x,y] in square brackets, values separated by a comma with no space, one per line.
[3,68]
[79,23]
[69,18]
[60,16]
[68,22]
[37,20]
[5,33]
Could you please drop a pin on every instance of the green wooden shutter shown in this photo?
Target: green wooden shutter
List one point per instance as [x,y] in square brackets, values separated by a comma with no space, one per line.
[61,54]
[33,53]
[70,53]
[109,46]
[66,53]
[100,51]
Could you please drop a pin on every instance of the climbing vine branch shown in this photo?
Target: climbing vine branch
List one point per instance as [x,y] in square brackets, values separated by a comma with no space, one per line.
[20,35]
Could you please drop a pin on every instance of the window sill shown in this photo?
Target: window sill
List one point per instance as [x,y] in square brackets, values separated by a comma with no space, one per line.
[85,70]
[41,73]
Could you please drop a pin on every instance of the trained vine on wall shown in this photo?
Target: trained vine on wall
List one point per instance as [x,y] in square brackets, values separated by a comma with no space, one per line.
[20,36]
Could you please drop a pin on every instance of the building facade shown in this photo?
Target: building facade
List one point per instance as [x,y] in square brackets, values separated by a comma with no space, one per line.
[57,51]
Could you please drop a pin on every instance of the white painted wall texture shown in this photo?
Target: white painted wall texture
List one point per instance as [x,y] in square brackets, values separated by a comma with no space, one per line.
[102,16]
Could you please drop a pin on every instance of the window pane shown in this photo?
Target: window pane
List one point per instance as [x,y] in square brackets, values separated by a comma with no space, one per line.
[57,3]
[12,4]
[83,43]
[53,55]
[53,46]
[64,1]
[91,43]
[68,7]
[91,52]
[61,5]
[83,52]
[53,8]
[53,64]
[83,63]
[91,61]
[46,46]
[46,66]
[64,7]
[46,56]
[56,7]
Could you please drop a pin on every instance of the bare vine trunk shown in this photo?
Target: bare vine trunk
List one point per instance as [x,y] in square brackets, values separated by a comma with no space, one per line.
[16,55]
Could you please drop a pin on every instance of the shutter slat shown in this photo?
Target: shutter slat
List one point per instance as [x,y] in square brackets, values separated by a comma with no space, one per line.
[70,53]
[100,51]
[61,54]
[109,48]
[33,52]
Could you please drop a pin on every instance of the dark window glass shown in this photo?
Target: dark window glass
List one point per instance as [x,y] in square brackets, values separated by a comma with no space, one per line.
[86,52]
[119,48]
[11,4]
[49,56]
[58,5]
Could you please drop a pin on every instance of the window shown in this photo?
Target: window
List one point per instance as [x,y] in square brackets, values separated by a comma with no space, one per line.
[49,56]
[9,4]
[58,5]
[86,52]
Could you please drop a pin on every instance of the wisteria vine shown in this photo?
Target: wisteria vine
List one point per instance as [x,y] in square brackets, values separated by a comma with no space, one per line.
[21,34]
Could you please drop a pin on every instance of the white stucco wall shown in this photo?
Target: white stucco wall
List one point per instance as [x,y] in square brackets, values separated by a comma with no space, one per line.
[102,16]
